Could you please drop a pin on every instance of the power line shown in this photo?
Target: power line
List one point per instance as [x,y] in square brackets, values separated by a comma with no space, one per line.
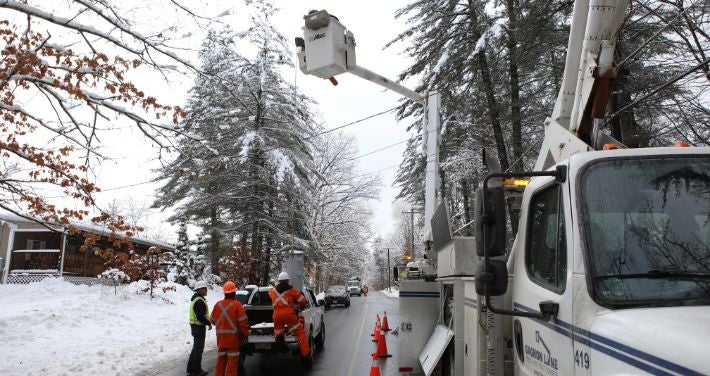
[351,123]
[666,84]
[657,33]
[127,186]
[378,150]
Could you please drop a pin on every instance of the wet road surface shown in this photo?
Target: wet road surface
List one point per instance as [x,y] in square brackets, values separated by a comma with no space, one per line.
[348,345]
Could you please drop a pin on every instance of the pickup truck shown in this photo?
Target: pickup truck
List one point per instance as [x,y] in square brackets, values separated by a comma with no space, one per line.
[261,326]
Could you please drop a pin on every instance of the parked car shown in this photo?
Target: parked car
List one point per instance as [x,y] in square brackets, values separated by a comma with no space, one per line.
[337,294]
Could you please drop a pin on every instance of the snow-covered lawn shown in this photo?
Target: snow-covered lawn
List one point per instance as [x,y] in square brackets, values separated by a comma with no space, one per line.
[57,328]
[393,294]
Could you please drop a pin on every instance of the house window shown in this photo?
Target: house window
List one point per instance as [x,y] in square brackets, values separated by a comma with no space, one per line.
[546,256]
[36,244]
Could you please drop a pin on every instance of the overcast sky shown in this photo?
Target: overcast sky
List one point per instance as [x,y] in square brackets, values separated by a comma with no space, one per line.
[373,24]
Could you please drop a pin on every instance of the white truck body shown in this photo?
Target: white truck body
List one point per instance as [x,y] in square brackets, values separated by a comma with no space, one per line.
[624,291]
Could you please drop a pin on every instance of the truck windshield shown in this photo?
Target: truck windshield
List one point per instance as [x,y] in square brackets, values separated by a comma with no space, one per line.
[335,289]
[647,232]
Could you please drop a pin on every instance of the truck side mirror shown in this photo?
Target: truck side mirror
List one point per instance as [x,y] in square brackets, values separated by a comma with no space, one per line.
[493,222]
[493,277]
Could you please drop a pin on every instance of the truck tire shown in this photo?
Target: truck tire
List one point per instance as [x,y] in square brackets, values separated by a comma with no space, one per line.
[320,340]
[308,361]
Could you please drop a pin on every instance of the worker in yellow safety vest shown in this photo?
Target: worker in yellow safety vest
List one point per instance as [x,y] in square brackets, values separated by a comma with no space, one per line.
[199,321]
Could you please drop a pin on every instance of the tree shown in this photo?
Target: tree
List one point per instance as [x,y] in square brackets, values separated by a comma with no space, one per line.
[499,68]
[67,78]
[338,209]
[187,265]
[244,182]
[235,264]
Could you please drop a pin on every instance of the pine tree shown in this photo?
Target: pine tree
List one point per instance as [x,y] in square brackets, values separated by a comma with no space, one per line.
[245,181]
[187,265]
[498,66]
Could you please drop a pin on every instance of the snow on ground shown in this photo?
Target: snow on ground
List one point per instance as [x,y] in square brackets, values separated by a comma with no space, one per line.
[393,294]
[57,328]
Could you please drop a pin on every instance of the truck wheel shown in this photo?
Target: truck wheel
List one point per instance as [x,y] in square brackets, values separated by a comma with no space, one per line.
[308,360]
[320,340]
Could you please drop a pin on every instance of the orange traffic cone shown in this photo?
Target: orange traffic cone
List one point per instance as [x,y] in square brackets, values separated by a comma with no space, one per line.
[382,347]
[377,332]
[385,325]
[374,369]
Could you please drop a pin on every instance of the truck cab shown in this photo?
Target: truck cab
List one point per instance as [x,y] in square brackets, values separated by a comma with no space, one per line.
[354,287]
[621,248]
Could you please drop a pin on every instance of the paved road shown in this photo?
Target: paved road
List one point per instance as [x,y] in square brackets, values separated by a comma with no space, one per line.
[348,345]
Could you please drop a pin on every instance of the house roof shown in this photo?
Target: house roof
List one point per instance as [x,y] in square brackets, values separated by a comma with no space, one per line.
[89,227]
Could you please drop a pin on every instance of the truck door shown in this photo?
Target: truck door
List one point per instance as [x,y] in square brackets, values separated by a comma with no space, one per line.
[543,273]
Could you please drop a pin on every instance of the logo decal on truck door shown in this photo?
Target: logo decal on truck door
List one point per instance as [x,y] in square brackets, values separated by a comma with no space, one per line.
[541,358]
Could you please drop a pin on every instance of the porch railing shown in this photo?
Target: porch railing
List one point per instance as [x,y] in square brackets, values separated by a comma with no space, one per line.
[25,278]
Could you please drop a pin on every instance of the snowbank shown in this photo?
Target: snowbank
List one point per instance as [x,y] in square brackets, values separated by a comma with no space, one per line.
[393,294]
[57,328]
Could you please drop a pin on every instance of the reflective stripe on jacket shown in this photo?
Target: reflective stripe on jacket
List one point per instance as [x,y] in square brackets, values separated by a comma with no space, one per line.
[290,298]
[193,316]
[231,323]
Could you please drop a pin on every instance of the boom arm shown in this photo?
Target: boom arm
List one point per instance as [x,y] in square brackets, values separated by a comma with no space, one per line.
[328,49]
[586,84]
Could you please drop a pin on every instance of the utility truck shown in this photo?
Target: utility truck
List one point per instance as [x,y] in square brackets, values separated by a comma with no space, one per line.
[354,286]
[609,272]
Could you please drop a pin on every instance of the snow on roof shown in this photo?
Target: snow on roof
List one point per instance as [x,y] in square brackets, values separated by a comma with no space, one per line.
[90,227]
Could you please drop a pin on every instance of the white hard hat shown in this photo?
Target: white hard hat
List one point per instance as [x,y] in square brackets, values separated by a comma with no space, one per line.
[283,276]
[200,285]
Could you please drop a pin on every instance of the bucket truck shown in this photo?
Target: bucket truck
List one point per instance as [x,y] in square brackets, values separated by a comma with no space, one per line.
[608,273]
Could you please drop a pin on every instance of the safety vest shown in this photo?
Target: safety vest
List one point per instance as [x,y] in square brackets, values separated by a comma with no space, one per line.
[289,298]
[193,316]
[231,321]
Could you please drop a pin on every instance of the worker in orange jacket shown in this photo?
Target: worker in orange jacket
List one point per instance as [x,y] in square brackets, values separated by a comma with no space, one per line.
[286,299]
[232,324]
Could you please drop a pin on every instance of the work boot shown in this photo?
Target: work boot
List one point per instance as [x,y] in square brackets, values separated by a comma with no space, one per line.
[307,360]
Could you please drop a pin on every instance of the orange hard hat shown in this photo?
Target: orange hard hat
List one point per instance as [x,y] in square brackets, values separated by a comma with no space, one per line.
[228,287]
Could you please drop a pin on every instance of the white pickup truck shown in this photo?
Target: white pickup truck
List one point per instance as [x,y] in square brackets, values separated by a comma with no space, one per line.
[257,305]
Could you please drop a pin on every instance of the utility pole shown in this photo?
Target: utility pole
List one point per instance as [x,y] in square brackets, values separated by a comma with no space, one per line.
[389,280]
